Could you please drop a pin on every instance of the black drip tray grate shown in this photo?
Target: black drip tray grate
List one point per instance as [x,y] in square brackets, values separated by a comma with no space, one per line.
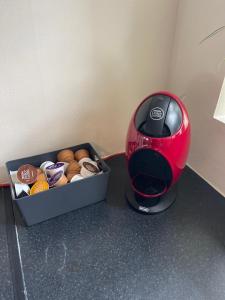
[149,185]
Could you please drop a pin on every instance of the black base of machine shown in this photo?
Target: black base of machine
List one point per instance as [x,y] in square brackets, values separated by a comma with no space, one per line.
[151,205]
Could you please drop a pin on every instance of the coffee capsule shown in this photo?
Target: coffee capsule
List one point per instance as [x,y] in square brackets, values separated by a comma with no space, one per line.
[88,169]
[41,177]
[82,153]
[39,186]
[62,181]
[66,164]
[85,159]
[46,164]
[27,174]
[70,175]
[76,178]
[55,168]
[73,167]
[53,179]
[65,155]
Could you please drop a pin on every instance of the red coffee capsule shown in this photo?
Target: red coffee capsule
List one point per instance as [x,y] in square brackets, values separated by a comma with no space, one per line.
[27,174]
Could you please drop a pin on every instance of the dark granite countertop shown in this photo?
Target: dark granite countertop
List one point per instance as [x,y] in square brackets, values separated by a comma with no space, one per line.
[6,286]
[108,251]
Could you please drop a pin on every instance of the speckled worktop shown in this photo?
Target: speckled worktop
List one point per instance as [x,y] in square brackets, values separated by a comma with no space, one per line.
[6,286]
[108,251]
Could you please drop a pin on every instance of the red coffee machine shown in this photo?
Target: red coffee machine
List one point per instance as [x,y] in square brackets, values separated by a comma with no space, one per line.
[157,146]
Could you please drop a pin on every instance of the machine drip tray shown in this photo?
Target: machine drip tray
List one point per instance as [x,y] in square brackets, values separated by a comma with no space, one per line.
[149,185]
[151,206]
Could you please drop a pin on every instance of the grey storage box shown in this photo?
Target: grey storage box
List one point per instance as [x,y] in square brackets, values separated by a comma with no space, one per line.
[59,200]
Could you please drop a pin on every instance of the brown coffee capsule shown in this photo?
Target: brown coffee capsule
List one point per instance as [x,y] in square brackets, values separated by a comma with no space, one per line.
[82,153]
[27,174]
[73,167]
[65,155]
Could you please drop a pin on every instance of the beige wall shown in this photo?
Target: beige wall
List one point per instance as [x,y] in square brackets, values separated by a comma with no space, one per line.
[73,71]
[197,73]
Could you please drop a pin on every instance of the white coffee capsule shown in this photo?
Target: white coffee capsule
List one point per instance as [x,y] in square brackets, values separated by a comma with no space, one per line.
[66,164]
[88,169]
[55,168]
[76,178]
[86,159]
[46,164]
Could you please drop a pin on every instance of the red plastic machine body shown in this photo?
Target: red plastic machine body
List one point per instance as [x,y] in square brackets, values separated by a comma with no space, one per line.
[157,144]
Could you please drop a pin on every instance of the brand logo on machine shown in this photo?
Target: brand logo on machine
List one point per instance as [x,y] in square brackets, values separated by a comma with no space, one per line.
[144,209]
[156,113]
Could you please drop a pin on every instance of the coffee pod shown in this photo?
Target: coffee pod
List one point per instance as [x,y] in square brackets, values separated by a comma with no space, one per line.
[65,165]
[46,164]
[85,159]
[14,178]
[62,181]
[88,169]
[27,174]
[73,167]
[76,178]
[82,153]
[65,155]
[21,188]
[53,179]
[41,177]
[39,186]
[55,168]
[70,175]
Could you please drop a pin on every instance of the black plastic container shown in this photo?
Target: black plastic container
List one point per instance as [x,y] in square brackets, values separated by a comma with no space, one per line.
[60,200]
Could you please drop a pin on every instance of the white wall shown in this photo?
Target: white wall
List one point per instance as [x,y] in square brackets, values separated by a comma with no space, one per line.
[73,71]
[197,73]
